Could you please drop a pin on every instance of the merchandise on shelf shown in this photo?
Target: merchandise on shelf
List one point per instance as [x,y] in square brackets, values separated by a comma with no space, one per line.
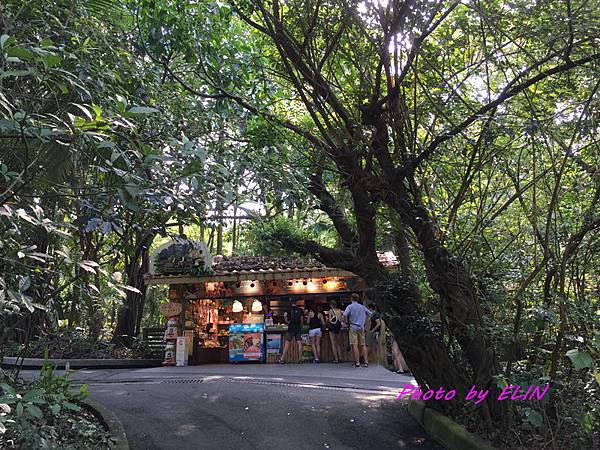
[169,354]
[205,317]
[171,331]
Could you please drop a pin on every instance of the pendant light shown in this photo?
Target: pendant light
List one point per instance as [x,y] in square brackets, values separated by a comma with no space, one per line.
[237,306]
[256,306]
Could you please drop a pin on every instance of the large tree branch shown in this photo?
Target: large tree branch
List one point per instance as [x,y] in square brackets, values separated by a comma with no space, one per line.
[327,255]
[333,209]
[340,259]
[289,50]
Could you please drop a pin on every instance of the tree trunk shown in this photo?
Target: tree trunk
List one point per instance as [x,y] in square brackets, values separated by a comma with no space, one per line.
[219,209]
[143,289]
[460,304]
[233,232]
[419,338]
[130,313]
[95,315]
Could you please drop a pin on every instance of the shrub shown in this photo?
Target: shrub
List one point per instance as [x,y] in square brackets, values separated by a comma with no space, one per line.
[46,414]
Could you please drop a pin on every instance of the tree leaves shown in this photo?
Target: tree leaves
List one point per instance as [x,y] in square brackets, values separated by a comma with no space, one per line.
[33,395]
[24,284]
[580,359]
[16,73]
[534,418]
[142,110]
[6,41]
[20,52]
[89,266]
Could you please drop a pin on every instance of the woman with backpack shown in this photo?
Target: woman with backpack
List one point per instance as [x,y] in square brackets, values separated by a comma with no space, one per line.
[334,326]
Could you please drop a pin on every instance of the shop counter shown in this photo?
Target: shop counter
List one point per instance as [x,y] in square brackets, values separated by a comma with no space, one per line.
[273,342]
[207,355]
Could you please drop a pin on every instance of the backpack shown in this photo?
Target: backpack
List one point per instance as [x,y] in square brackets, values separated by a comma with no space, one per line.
[334,322]
[333,319]
[295,315]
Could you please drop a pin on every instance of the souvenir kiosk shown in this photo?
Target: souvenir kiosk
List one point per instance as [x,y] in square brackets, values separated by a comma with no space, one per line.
[232,308]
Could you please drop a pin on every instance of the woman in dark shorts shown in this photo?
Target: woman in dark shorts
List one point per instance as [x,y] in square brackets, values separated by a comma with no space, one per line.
[294,321]
[334,326]
[315,325]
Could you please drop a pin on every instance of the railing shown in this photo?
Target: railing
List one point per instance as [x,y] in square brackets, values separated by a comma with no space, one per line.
[153,338]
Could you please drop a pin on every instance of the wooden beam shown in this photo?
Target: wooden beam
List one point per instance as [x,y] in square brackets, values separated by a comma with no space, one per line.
[265,275]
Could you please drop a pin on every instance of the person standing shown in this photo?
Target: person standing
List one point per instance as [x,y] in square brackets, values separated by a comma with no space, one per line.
[294,321]
[334,326]
[376,327]
[399,362]
[315,324]
[356,314]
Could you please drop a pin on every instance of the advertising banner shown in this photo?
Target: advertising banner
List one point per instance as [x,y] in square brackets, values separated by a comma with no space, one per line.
[307,353]
[246,342]
[253,346]
[181,351]
[274,343]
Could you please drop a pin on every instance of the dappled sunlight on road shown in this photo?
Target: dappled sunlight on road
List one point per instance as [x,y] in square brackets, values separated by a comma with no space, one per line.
[185,429]
[370,399]
[242,410]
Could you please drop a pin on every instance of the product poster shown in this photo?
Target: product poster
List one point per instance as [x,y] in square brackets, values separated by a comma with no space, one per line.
[246,342]
[273,343]
[306,347]
[252,346]
[236,347]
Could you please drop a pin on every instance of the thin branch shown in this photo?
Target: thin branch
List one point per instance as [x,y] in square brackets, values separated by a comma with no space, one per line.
[507,94]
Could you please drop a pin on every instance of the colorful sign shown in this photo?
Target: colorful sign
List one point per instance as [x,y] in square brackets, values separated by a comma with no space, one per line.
[246,342]
[236,347]
[253,346]
[306,347]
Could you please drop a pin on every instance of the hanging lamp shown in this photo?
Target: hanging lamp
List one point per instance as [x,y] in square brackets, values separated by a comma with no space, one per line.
[237,306]
[256,306]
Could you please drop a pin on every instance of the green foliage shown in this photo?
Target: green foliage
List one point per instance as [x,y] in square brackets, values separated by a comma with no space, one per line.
[115,121]
[46,414]
[99,156]
[75,344]
[271,237]
[580,359]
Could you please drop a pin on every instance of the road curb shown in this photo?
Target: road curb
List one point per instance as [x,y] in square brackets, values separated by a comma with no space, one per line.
[37,363]
[444,430]
[110,421]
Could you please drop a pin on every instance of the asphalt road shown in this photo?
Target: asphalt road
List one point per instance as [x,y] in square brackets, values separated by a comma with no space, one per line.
[280,408]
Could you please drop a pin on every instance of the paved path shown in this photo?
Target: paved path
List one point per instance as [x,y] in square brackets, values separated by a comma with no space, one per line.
[373,377]
[241,407]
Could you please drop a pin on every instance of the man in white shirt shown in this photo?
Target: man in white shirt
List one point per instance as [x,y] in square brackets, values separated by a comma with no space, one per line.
[356,315]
